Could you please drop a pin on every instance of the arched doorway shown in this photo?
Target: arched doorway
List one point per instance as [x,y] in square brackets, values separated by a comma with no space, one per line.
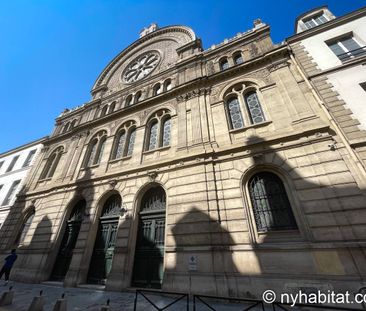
[149,254]
[68,242]
[101,262]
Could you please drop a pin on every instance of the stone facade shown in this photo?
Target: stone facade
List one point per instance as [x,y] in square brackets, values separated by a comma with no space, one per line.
[205,172]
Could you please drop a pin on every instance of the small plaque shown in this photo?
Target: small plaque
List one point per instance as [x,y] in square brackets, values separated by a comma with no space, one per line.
[192,263]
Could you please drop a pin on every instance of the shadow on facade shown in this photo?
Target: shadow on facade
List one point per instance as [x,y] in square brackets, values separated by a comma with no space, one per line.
[230,257]
[235,260]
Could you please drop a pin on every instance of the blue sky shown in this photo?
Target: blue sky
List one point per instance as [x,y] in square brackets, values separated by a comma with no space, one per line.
[52,51]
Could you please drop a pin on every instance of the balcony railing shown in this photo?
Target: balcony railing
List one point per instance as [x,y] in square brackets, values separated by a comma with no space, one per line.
[352,54]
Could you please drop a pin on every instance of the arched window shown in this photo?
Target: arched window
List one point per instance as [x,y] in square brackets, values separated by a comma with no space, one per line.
[166,132]
[159,130]
[95,149]
[157,89]
[271,206]
[243,106]
[66,127]
[128,101]
[153,137]
[24,229]
[99,154]
[131,141]
[73,123]
[120,142]
[137,97]
[52,163]
[224,64]
[236,117]
[112,106]
[167,85]
[125,140]
[254,107]
[104,111]
[238,58]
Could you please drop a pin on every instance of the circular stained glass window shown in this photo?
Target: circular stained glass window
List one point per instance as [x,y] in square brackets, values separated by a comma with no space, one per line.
[141,66]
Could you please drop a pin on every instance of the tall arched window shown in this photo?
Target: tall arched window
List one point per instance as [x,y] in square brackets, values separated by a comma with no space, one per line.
[120,142]
[166,132]
[167,85]
[128,101]
[243,106]
[24,229]
[159,128]
[95,149]
[238,58]
[153,138]
[236,117]
[131,141]
[271,206]
[224,64]
[52,163]
[254,107]
[100,150]
[125,140]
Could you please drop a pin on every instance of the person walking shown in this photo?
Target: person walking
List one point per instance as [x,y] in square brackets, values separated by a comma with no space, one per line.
[9,262]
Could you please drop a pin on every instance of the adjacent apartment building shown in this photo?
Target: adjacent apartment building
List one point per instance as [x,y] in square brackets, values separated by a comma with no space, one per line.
[14,167]
[331,52]
[214,170]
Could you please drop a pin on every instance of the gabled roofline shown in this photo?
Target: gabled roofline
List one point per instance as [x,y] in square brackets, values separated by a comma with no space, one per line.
[181,28]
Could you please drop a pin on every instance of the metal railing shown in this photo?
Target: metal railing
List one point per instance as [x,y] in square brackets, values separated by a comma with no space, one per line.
[352,54]
[204,300]
[144,293]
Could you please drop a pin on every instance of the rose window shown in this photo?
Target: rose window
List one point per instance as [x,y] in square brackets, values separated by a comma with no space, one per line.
[141,67]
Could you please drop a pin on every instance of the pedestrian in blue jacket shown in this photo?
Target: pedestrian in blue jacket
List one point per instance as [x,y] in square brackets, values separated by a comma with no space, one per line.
[9,262]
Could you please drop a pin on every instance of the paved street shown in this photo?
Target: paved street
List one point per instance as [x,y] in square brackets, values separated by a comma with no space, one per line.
[92,299]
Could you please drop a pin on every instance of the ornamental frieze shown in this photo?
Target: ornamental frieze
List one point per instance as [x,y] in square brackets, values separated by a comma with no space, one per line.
[193,94]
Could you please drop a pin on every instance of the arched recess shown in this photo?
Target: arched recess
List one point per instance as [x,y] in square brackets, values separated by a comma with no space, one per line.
[68,242]
[102,258]
[148,268]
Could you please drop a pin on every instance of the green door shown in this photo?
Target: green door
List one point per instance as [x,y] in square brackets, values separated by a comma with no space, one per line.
[102,258]
[149,254]
[69,239]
